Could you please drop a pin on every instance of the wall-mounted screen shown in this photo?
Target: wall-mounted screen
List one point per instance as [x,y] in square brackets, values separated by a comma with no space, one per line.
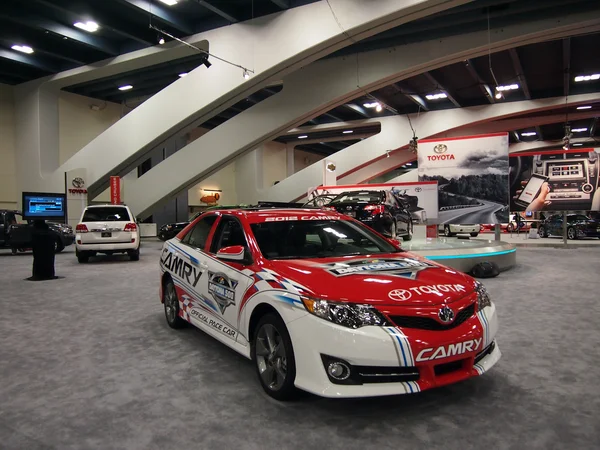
[44,206]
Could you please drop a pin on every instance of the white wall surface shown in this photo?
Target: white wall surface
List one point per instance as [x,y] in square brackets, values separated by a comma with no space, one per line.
[8,180]
[224,180]
[79,124]
[274,163]
[303,159]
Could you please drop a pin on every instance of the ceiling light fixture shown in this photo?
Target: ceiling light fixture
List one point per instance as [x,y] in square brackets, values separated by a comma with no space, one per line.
[593,77]
[507,87]
[304,136]
[169,2]
[579,130]
[246,74]
[371,105]
[126,87]
[90,26]
[161,41]
[438,96]
[348,131]
[584,107]
[529,133]
[183,74]
[23,49]
[498,95]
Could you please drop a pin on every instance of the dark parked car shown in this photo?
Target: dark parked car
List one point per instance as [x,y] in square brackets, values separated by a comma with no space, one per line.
[380,210]
[17,236]
[170,230]
[578,226]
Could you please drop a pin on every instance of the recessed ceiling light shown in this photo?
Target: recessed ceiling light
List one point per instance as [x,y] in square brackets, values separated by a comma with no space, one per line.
[304,136]
[528,133]
[126,87]
[438,96]
[23,49]
[584,107]
[507,87]
[378,108]
[161,41]
[595,76]
[169,2]
[498,95]
[371,105]
[577,145]
[181,75]
[348,131]
[579,130]
[90,26]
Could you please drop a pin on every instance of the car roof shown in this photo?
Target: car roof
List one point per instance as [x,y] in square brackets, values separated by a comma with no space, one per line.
[105,205]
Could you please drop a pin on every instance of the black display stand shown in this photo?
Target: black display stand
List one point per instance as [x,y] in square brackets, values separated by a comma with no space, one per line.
[42,243]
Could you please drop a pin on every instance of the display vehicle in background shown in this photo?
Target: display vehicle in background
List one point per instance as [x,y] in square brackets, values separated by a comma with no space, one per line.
[107,229]
[578,226]
[451,229]
[170,230]
[379,209]
[16,234]
[322,303]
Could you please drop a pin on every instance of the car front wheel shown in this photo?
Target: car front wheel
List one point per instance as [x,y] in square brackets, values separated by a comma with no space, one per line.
[273,355]
[542,232]
[171,304]
[571,233]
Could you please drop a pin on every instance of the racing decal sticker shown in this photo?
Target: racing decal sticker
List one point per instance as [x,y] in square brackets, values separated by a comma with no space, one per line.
[222,288]
[485,325]
[178,266]
[221,327]
[400,295]
[402,267]
[446,351]
[405,355]
[295,218]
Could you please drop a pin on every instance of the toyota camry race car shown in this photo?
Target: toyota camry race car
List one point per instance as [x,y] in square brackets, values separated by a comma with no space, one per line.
[322,303]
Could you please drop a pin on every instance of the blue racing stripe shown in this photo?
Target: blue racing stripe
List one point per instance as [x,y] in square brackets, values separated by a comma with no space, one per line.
[192,258]
[401,348]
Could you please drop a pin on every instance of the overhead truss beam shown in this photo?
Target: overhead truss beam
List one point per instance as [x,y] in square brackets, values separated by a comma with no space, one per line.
[485,88]
[514,56]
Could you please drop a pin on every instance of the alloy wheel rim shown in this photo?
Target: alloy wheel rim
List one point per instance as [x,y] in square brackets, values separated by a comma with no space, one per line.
[171,304]
[271,358]
[541,232]
[571,233]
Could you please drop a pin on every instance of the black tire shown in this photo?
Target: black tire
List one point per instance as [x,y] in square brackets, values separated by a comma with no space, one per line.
[276,362]
[571,233]
[409,235]
[542,232]
[474,234]
[82,257]
[58,246]
[13,250]
[162,236]
[171,304]
[134,255]
[510,228]
[447,231]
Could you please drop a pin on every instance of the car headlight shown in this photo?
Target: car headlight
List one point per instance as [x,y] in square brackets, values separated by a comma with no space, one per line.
[349,315]
[483,298]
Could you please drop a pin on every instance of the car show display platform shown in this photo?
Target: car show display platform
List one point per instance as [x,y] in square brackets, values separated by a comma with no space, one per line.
[464,253]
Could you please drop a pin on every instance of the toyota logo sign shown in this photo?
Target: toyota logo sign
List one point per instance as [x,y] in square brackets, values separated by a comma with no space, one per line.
[446,314]
[440,148]
[78,182]
[399,295]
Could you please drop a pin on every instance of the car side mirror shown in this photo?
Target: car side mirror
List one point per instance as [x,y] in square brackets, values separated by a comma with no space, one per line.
[235,253]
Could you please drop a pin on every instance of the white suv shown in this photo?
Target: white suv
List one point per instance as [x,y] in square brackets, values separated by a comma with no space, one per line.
[107,229]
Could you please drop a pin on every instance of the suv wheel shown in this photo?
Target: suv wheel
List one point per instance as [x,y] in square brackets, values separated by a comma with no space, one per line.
[82,257]
[273,355]
[171,304]
[134,255]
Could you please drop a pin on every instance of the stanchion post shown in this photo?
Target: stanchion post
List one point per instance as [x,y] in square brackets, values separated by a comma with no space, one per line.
[497,232]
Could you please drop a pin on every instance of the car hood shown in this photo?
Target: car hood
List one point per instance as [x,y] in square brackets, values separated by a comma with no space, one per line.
[394,279]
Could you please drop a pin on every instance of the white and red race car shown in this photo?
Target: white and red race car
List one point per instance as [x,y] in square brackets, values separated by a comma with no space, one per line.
[322,303]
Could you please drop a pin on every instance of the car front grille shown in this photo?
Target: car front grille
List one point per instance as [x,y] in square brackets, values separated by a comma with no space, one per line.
[428,323]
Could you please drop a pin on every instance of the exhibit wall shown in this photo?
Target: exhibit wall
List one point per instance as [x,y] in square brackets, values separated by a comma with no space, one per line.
[420,198]
[472,173]
[8,181]
[557,180]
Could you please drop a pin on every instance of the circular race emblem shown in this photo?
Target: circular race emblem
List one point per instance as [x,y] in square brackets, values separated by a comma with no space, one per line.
[78,183]
[446,314]
[399,295]
[440,148]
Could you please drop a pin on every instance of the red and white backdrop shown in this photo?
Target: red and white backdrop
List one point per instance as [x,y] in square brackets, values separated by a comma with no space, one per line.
[472,174]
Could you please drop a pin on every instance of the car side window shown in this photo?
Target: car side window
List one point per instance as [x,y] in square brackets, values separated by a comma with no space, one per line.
[229,232]
[198,235]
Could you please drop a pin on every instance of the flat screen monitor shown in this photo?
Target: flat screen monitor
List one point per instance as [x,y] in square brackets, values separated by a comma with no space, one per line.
[44,206]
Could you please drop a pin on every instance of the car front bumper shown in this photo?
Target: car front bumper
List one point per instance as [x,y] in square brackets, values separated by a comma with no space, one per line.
[382,349]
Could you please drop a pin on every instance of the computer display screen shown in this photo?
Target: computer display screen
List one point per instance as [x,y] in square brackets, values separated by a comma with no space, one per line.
[43,206]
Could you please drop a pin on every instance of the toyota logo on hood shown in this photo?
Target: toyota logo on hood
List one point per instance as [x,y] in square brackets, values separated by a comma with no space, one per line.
[446,314]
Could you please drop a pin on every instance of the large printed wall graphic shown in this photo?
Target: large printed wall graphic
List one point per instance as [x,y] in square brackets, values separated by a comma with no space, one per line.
[472,174]
[556,180]
[420,198]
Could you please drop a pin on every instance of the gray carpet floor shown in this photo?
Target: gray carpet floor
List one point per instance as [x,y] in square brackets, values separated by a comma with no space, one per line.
[88,362]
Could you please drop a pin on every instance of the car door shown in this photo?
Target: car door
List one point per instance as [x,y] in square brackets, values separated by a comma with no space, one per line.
[187,262]
[225,283]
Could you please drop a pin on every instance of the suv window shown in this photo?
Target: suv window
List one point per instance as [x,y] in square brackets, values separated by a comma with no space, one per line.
[106,214]
[198,235]
[229,232]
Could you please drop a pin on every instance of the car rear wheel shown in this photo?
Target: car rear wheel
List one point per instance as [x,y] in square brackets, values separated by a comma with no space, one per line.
[571,233]
[82,257]
[273,355]
[134,255]
[447,231]
[171,304]
[542,232]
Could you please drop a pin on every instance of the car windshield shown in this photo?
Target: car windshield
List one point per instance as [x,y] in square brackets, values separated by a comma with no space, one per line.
[106,214]
[317,239]
[352,197]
